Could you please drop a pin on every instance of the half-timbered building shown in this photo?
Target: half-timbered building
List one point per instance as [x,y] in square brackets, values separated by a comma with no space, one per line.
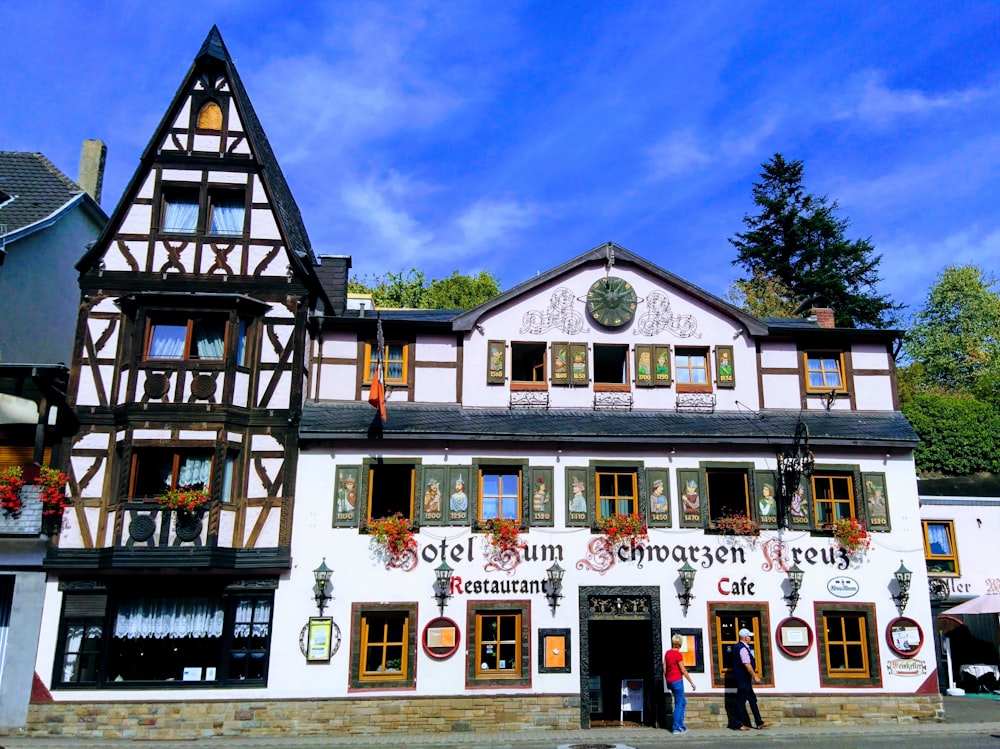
[566,476]
[188,378]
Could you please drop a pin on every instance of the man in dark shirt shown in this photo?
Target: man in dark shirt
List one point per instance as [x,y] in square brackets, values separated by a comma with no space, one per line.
[744,667]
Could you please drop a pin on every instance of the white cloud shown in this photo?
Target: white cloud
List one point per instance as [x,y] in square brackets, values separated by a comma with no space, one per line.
[676,154]
[487,221]
[869,99]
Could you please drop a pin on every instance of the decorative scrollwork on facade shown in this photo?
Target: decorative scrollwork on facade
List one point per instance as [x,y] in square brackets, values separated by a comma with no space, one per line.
[939,588]
[503,560]
[529,399]
[404,560]
[660,318]
[559,315]
[775,555]
[618,607]
[613,401]
[696,402]
[599,557]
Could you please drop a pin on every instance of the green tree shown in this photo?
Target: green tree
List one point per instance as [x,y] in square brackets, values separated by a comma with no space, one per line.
[798,240]
[413,291]
[958,434]
[761,296]
[462,292]
[954,342]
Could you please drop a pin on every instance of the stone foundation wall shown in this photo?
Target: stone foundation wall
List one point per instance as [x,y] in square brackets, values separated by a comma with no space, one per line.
[194,720]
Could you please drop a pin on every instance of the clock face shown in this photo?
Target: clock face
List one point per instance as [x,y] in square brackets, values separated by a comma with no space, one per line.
[611,302]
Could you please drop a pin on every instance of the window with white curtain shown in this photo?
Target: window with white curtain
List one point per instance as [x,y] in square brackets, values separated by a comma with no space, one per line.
[180,211]
[187,337]
[220,638]
[226,211]
[157,469]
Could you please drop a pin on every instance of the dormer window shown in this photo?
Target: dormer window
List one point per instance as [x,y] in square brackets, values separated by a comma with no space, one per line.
[824,372]
[180,211]
[226,209]
[210,117]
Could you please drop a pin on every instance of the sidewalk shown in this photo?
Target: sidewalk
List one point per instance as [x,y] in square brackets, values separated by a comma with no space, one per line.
[963,716]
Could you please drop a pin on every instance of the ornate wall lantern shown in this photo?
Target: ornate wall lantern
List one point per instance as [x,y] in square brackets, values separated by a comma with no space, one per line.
[554,593]
[795,576]
[321,592]
[442,585]
[903,577]
[686,573]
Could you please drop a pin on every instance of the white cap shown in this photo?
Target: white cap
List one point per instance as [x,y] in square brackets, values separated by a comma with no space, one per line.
[745,633]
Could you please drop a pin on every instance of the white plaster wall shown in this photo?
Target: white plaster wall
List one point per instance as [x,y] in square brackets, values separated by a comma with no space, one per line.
[148,187]
[263,225]
[206,143]
[779,355]
[435,385]
[217,177]
[873,393]
[436,349]
[781,391]
[977,527]
[870,357]
[138,220]
[713,329]
[181,175]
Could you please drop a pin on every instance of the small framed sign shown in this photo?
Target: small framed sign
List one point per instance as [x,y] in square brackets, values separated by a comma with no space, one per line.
[794,637]
[320,638]
[441,638]
[904,636]
[554,651]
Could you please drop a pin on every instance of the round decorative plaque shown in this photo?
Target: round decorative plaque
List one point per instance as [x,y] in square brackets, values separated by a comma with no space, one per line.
[612,302]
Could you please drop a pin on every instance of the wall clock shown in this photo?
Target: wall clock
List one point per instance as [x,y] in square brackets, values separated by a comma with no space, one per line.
[611,302]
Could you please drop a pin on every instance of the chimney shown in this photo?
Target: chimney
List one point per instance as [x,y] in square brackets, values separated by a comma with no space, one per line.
[332,274]
[91,177]
[823,316]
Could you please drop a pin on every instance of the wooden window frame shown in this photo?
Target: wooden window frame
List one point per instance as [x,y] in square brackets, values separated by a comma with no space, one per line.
[406,677]
[416,475]
[746,471]
[215,194]
[187,319]
[721,649]
[817,502]
[404,363]
[868,674]
[610,387]
[519,676]
[930,557]
[540,378]
[819,355]
[502,471]
[172,193]
[692,387]
[177,454]
[616,496]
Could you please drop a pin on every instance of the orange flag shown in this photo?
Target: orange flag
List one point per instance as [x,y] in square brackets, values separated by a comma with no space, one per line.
[376,397]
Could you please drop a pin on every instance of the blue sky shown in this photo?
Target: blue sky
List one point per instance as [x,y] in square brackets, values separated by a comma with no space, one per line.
[511,136]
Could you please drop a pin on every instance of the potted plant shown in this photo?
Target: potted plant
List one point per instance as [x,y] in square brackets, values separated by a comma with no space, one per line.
[10,491]
[736,524]
[503,535]
[53,496]
[192,500]
[623,530]
[393,537]
[851,536]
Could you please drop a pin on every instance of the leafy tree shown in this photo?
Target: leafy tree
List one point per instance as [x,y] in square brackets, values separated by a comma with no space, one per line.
[413,291]
[761,296]
[954,342]
[798,240]
[958,434]
[462,292]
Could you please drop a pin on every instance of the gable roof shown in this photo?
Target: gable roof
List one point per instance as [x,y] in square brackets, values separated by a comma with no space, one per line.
[38,194]
[598,256]
[214,55]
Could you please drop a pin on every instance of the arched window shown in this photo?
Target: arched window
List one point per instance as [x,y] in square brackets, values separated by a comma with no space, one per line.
[210,116]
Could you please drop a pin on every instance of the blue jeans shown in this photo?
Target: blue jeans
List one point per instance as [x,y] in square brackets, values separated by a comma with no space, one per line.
[680,702]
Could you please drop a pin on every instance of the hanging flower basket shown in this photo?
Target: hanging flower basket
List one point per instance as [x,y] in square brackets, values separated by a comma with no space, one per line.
[10,491]
[737,525]
[503,535]
[393,537]
[852,536]
[186,499]
[54,499]
[623,530]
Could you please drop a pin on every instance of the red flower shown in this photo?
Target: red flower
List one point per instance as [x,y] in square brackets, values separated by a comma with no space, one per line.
[622,529]
[10,490]
[504,534]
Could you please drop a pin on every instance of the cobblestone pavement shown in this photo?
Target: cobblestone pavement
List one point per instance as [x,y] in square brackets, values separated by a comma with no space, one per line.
[963,717]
